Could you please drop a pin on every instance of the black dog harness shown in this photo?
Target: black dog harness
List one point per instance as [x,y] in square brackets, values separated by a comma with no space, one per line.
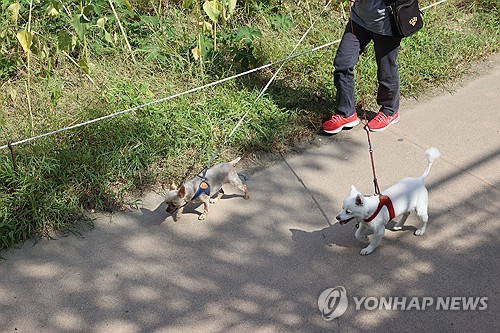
[204,188]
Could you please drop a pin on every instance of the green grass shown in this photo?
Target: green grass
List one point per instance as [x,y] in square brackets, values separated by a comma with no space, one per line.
[102,165]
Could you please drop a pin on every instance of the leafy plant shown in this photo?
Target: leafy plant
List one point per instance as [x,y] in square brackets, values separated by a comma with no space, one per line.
[239,43]
[7,67]
[217,11]
[262,5]
[243,48]
[282,21]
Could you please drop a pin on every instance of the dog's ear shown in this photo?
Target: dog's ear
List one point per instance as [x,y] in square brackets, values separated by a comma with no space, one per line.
[182,191]
[354,191]
[173,187]
[359,200]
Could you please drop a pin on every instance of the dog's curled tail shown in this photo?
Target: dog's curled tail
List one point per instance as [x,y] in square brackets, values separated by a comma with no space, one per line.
[236,160]
[431,154]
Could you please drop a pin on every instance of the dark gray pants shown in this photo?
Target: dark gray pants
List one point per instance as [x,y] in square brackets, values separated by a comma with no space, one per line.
[386,53]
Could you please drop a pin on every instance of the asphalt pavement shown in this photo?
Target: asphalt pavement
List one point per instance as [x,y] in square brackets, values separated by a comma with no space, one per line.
[260,265]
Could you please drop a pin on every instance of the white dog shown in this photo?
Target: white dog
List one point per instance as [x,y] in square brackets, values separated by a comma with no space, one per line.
[375,211]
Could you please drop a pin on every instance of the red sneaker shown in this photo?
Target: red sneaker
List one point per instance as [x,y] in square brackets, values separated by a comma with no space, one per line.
[382,122]
[337,123]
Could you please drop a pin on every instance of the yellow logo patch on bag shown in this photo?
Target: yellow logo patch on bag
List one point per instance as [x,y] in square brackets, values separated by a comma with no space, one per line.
[413,21]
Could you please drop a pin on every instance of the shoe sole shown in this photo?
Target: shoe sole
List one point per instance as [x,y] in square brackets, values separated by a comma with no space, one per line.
[350,125]
[386,127]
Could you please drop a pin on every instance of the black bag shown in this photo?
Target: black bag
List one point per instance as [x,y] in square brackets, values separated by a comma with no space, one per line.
[406,17]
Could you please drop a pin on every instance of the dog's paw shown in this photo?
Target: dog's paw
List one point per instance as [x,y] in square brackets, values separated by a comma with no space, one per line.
[366,251]
[419,232]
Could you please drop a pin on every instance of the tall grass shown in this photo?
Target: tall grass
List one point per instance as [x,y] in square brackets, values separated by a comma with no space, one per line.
[106,164]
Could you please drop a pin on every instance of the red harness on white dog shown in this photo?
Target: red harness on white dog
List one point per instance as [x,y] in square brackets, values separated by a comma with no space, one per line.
[384,200]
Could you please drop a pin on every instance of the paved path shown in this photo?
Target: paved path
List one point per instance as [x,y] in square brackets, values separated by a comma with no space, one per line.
[259,265]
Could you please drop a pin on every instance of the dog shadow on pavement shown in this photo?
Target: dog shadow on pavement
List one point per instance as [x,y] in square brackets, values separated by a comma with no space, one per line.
[159,215]
[333,234]
[336,235]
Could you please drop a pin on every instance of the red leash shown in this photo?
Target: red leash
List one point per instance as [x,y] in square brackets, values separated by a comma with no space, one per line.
[365,127]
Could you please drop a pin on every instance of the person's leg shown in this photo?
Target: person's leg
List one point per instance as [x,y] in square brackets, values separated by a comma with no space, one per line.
[351,45]
[346,59]
[386,54]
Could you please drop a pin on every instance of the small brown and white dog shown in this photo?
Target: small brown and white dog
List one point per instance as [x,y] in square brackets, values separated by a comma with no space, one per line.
[374,212]
[198,189]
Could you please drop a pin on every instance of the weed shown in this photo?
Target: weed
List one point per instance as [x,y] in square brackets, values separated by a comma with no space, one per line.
[282,21]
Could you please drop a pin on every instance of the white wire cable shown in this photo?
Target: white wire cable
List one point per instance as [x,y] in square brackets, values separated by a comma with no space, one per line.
[172,96]
[267,86]
[282,61]
[433,5]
